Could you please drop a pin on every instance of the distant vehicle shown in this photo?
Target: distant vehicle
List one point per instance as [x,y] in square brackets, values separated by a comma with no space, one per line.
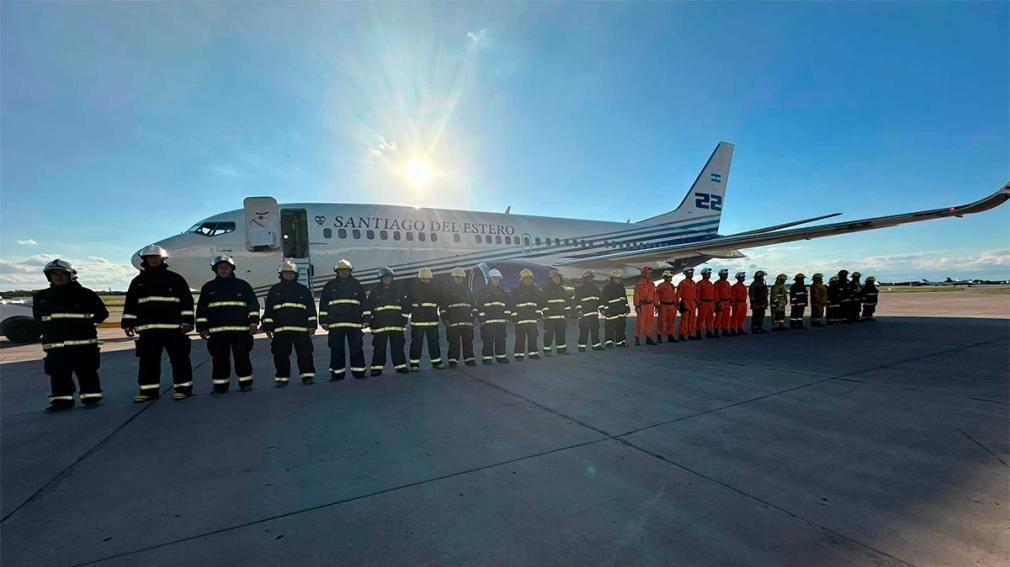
[315,235]
[17,322]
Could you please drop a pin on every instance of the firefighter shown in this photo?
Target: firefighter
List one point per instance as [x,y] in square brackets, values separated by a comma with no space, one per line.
[386,305]
[159,307]
[527,308]
[587,309]
[289,320]
[779,299]
[856,298]
[687,292]
[493,313]
[706,305]
[666,296]
[797,301]
[458,312]
[758,294]
[834,300]
[844,297]
[739,299]
[869,294]
[227,317]
[557,307]
[342,315]
[614,303]
[645,307]
[818,300]
[423,299]
[723,299]
[68,313]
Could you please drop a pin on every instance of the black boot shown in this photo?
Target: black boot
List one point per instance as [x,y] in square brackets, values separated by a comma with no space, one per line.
[671,339]
[649,341]
[638,342]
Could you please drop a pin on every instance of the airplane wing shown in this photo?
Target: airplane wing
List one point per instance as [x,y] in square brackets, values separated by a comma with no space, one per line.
[720,245]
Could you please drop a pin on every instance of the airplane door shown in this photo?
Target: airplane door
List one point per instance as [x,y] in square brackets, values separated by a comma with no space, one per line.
[295,242]
[527,241]
[262,226]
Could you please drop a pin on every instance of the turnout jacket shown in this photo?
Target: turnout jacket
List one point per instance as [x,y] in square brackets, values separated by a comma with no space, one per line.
[798,295]
[587,300]
[342,304]
[68,315]
[856,291]
[614,301]
[527,304]
[493,307]
[423,302]
[779,296]
[226,304]
[158,298]
[870,293]
[457,305]
[836,293]
[758,293]
[818,294]
[289,307]
[388,307]
[557,301]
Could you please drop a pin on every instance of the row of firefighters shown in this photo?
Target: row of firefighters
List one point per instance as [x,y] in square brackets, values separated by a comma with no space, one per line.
[159,310]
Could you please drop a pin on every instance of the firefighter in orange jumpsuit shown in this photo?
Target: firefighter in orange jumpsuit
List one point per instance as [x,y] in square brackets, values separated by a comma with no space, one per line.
[687,291]
[739,299]
[666,295]
[723,296]
[706,305]
[645,307]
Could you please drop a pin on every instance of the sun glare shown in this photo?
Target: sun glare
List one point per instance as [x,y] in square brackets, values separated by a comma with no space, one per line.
[418,172]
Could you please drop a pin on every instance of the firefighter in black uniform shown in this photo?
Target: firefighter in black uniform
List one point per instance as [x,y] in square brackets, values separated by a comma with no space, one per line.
[797,302]
[458,311]
[289,319]
[386,307]
[493,313]
[758,293]
[68,313]
[856,295]
[527,309]
[557,306]
[423,300]
[870,293]
[341,313]
[614,304]
[227,316]
[844,297]
[834,301]
[159,306]
[587,309]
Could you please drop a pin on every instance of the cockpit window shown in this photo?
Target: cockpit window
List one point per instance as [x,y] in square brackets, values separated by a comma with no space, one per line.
[212,228]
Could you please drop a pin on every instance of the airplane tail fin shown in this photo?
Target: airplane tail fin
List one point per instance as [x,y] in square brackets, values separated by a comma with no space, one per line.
[706,196]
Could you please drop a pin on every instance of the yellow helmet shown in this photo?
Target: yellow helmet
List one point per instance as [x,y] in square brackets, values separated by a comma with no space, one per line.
[458,273]
[870,279]
[343,264]
[616,274]
[667,274]
[526,273]
[760,274]
[856,274]
[818,276]
[424,273]
[799,276]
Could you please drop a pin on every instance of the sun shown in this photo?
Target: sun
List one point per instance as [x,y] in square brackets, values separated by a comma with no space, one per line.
[418,172]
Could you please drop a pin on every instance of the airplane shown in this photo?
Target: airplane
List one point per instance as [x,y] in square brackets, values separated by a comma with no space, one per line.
[316,235]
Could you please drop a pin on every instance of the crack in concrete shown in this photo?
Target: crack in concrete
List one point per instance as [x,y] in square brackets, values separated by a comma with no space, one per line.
[986,449]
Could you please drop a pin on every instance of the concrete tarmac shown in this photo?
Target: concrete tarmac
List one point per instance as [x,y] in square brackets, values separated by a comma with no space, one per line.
[868,444]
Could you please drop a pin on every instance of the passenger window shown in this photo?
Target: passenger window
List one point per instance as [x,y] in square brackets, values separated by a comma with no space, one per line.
[356,234]
[508,240]
[455,237]
[434,237]
[537,240]
[396,235]
[526,240]
[370,234]
[341,233]
[420,236]
[410,235]
[383,235]
[548,241]
[497,239]
[327,233]
[478,237]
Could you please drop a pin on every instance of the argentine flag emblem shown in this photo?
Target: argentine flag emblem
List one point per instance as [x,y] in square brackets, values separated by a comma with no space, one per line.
[716,178]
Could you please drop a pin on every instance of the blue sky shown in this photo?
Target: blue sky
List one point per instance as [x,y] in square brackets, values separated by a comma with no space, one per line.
[123,123]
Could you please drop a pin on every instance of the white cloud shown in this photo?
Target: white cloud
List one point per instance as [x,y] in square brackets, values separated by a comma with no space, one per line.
[28,242]
[384,147]
[93,271]
[477,37]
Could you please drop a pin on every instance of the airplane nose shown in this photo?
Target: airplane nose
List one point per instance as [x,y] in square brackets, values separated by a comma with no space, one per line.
[135,259]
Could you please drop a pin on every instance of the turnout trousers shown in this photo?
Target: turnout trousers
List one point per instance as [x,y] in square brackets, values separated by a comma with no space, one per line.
[395,340]
[796,317]
[687,319]
[555,334]
[526,341]
[816,315]
[493,342]
[757,319]
[667,319]
[224,346]
[460,343]
[353,337]
[589,329]
[723,317]
[62,363]
[418,333]
[646,321]
[868,310]
[614,331]
[739,315]
[149,347]
[281,346]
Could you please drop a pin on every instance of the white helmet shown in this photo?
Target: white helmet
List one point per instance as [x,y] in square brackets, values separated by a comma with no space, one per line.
[287,266]
[222,258]
[343,264]
[424,274]
[58,265]
[724,272]
[494,273]
[588,274]
[741,275]
[706,271]
[153,250]
[458,273]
